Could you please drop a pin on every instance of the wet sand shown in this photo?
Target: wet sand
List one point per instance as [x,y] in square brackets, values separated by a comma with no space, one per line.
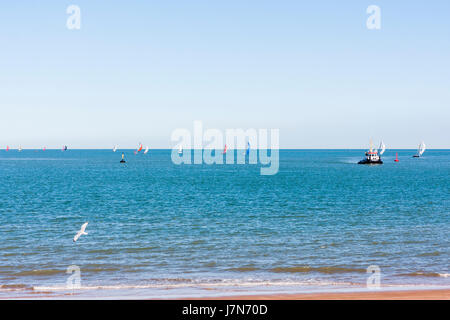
[438,294]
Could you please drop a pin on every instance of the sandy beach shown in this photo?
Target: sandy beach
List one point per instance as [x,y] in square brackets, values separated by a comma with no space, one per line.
[438,294]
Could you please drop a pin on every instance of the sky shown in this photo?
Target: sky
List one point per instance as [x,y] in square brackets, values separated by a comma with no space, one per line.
[137,70]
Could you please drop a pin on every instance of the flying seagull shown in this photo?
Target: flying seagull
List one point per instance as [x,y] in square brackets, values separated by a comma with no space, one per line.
[83,227]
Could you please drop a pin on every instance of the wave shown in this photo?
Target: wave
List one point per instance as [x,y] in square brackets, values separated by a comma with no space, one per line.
[44,272]
[49,272]
[425,274]
[15,287]
[429,254]
[243,269]
[326,270]
[203,285]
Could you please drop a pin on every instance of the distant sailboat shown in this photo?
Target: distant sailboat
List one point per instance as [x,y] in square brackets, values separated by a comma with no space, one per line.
[139,148]
[180,150]
[20,149]
[146,150]
[115,148]
[123,158]
[247,152]
[225,150]
[382,148]
[7,148]
[420,151]
[64,148]
[396,157]
[43,149]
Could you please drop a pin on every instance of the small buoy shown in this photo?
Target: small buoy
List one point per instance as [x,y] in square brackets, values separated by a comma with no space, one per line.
[396,157]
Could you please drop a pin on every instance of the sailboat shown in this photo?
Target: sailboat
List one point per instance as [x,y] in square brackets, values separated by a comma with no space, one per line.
[247,152]
[20,149]
[146,150]
[115,148]
[396,157]
[139,149]
[180,150]
[7,148]
[420,151]
[225,150]
[123,158]
[64,148]
[382,148]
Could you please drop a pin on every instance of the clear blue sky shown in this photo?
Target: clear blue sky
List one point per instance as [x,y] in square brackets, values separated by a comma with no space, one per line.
[139,69]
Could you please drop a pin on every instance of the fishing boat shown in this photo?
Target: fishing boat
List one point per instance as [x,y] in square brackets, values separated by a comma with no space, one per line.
[372,155]
[225,150]
[146,150]
[123,158]
[420,151]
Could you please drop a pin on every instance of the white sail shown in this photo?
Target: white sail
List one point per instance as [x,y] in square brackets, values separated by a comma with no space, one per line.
[115,149]
[422,148]
[382,148]
[180,150]
[146,150]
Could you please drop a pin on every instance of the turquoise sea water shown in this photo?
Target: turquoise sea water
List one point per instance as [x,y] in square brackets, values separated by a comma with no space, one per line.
[162,230]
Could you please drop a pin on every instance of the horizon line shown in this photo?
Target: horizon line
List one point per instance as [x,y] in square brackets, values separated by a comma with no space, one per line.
[176,148]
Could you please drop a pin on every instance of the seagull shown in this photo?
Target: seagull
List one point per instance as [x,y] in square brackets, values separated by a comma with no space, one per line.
[83,227]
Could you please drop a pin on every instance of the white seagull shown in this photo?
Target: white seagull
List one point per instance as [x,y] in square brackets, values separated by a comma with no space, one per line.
[83,227]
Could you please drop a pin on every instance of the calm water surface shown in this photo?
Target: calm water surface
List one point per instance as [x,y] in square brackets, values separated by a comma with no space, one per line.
[161,230]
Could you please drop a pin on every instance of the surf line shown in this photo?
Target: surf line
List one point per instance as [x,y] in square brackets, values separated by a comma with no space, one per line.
[207,147]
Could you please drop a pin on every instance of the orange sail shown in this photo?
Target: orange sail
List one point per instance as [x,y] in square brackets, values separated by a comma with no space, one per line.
[225,150]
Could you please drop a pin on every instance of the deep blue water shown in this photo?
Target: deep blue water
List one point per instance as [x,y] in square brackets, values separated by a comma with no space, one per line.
[159,229]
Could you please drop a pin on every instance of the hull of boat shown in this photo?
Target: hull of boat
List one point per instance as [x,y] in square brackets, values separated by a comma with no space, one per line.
[365,161]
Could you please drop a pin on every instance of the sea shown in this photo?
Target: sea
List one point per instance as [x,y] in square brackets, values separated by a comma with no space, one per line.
[156,229]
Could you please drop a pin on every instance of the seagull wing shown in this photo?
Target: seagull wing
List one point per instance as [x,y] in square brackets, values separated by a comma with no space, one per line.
[76,236]
[83,227]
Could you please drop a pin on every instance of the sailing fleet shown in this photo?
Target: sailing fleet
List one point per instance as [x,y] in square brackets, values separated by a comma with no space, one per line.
[372,156]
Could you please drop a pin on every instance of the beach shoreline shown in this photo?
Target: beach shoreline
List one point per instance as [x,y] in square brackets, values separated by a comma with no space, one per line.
[428,294]
[376,294]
